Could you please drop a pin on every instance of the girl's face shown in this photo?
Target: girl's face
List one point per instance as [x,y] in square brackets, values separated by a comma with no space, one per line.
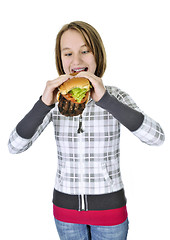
[75,54]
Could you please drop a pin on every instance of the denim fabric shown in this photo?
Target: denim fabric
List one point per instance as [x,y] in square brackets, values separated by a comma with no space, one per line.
[71,231]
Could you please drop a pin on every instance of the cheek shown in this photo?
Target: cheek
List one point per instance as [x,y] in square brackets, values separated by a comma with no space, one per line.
[92,64]
[65,63]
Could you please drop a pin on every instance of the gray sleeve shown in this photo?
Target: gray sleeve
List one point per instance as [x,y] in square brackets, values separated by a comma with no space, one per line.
[29,124]
[129,117]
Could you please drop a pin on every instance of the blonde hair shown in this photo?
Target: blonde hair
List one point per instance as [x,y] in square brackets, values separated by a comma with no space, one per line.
[92,40]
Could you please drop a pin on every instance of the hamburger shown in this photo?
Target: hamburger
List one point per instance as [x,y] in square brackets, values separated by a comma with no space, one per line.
[73,96]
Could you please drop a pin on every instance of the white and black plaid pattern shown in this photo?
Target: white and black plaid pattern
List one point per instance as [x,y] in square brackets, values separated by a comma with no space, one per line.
[88,162]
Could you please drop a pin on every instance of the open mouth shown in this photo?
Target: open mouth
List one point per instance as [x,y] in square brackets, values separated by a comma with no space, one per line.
[77,70]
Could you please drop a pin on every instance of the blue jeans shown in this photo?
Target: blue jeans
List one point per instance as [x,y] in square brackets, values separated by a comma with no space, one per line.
[71,231]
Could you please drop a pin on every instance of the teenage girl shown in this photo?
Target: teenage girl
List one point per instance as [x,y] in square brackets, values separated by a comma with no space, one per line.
[89,199]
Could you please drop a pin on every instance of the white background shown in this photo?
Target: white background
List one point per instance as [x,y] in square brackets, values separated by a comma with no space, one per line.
[136,35]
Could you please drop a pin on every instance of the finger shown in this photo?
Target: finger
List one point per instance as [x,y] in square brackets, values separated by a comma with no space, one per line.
[58,81]
[90,76]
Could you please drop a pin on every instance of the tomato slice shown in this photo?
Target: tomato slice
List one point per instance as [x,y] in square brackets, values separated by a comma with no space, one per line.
[69,97]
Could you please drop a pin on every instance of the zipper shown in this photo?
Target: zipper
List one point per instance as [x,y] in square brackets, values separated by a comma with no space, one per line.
[82,203]
[82,182]
[82,198]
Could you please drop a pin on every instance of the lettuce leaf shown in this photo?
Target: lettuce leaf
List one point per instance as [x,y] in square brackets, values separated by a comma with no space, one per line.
[78,93]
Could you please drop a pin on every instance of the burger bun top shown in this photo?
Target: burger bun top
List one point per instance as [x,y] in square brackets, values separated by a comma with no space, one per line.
[75,82]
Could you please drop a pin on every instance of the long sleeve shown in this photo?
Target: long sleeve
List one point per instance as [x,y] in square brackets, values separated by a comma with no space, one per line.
[30,128]
[29,124]
[125,110]
[127,116]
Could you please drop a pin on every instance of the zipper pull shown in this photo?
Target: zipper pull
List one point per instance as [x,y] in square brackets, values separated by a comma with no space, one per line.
[80,129]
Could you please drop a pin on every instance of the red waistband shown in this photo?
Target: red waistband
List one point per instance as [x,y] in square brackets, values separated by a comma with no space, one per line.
[102,217]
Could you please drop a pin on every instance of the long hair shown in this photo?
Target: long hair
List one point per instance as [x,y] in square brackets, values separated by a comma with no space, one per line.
[92,40]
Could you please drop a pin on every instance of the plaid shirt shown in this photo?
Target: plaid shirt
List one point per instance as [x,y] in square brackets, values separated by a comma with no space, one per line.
[88,162]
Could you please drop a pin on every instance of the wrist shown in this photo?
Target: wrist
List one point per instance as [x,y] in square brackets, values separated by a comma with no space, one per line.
[46,102]
[104,98]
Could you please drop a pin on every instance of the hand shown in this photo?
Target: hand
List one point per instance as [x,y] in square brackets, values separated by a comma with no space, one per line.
[97,83]
[51,89]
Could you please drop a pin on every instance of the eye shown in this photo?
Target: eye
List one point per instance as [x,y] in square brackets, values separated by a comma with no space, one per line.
[68,54]
[85,51]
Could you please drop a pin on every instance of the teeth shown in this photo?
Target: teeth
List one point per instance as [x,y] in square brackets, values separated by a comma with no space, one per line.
[80,69]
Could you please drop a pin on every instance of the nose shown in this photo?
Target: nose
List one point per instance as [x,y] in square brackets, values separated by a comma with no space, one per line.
[76,59]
